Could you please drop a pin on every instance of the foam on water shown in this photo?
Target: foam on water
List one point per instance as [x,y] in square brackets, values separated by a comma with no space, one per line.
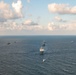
[44,60]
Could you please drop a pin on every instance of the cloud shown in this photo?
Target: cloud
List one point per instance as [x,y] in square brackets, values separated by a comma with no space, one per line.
[13,26]
[18,7]
[61,8]
[66,26]
[34,28]
[52,26]
[7,13]
[57,18]
[30,22]
[10,25]
[71,26]
[28,1]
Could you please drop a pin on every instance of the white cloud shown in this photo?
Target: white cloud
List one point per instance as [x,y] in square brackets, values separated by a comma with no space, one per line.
[73,21]
[66,26]
[30,22]
[18,8]
[13,26]
[7,13]
[61,8]
[34,28]
[71,26]
[58,18]
[28,1]
[50,26]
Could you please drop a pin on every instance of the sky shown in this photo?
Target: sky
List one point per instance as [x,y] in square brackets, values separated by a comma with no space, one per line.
[37,17]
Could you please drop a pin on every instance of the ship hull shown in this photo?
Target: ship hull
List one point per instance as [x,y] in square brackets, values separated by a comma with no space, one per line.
[41,52]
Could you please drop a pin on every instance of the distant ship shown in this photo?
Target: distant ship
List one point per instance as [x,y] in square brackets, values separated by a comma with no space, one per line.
[43,48]
[8,43]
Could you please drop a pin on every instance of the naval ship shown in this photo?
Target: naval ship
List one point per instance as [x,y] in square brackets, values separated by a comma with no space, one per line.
[42,48]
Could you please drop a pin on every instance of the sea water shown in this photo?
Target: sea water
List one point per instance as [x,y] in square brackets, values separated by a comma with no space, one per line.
[22,57]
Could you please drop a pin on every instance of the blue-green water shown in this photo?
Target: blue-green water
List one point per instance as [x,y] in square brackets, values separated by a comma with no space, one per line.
[21,56]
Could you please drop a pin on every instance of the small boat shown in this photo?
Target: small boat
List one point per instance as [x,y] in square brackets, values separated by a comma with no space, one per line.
[43,48]
[8,43]
[15,42]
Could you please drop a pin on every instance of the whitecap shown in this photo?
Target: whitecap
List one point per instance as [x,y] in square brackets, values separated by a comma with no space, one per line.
[44,60]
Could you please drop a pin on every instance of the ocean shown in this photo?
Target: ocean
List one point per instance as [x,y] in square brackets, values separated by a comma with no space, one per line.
[19,55]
